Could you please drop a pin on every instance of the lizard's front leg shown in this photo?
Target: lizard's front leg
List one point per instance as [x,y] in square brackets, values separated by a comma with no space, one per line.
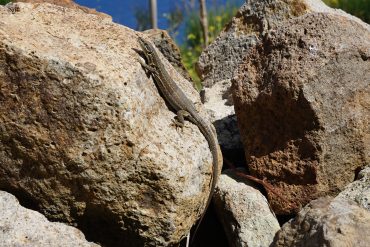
[151,69]
[179,121]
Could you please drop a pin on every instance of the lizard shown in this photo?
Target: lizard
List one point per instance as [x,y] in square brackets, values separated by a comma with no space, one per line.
[184,108]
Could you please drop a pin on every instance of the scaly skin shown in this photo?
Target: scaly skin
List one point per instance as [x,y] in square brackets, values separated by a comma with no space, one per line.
[184,108]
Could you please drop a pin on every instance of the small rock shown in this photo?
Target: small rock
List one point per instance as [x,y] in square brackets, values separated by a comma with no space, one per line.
[244,212]
[20,227]
[359,190]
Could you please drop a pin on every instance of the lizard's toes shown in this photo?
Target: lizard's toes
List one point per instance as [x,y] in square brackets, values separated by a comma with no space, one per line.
[177,125]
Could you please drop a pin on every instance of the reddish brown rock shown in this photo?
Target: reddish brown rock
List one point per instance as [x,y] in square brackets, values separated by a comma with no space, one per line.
[219,61]
[302,98]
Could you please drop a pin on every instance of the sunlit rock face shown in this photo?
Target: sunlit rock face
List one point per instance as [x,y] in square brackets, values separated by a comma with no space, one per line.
[86,138]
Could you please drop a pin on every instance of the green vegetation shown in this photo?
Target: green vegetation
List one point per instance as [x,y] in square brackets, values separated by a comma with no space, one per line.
[218,17]
[359,8]
[3,2]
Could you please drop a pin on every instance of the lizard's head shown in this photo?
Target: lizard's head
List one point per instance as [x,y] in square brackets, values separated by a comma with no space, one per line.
[146,46]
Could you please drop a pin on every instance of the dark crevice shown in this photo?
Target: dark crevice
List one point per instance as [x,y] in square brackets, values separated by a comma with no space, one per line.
[210,232]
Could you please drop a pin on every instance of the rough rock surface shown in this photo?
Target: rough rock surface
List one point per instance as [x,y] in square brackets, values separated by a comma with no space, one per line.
[244,212]
[302,98]
[327,223]
[359,190]
[219,61]
[254,19]
[85,137]
[223,116]
[24,227]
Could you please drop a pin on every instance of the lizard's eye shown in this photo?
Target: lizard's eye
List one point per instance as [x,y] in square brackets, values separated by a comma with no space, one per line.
[148,50]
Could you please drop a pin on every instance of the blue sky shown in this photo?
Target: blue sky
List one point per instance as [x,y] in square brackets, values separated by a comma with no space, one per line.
[123,11]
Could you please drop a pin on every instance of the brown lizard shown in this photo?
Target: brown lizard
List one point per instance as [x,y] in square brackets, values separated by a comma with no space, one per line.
[184,108]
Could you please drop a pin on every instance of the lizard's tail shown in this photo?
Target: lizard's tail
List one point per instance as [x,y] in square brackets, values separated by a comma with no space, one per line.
[211,138]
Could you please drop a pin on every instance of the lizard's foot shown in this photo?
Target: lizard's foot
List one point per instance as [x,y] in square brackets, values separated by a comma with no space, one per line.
[178,125]
[179,121]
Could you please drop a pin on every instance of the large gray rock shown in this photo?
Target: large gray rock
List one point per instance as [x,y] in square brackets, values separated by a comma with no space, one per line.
[20,227]
[254,19]
[219,61]
[244,212]
[302,101]
[327,223]
[85,136]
